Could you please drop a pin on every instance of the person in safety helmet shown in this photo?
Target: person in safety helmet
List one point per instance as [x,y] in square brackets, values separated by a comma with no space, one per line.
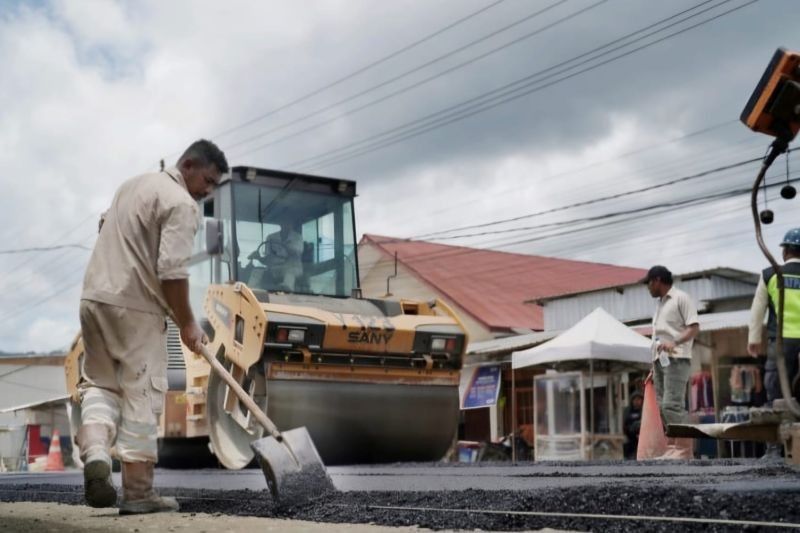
[766,299]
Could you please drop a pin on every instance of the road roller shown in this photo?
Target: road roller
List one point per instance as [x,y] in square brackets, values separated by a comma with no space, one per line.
[275,284]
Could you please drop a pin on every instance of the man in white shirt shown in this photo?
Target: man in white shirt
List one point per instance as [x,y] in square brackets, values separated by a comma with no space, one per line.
[675,325]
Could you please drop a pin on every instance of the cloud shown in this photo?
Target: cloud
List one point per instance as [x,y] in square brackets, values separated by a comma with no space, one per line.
[93,92]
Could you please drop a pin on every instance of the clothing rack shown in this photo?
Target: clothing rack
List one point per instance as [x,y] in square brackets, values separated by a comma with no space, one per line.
[739,385]
[701,393]
[745,382]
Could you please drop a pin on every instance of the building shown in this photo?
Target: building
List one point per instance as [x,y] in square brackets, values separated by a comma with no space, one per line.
[494,293]
[32,404]
[725,379]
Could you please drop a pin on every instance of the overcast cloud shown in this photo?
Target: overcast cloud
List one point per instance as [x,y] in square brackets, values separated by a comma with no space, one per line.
[93,92]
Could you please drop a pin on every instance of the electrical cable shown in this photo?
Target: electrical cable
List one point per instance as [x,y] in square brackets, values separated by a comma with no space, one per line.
[54,242]
[593,201]
[406,73]
[43,248]
[447,71]
[358,71]
[452,251]
[706,155]
[481,107]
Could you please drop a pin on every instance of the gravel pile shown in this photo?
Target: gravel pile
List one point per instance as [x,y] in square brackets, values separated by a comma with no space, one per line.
[356,507]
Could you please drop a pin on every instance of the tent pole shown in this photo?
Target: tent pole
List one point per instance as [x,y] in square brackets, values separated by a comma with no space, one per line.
[591,409]
[513,417]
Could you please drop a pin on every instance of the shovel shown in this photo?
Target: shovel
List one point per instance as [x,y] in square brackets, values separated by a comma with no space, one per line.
[290,461]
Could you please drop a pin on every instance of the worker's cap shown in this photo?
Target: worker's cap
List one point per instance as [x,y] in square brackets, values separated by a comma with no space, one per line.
[660,272]
[792,238]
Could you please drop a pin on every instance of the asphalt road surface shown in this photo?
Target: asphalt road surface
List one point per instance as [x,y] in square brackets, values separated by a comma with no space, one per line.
[679,496]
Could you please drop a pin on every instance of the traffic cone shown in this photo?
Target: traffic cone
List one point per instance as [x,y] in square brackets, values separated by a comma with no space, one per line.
[652,441]
[55,462]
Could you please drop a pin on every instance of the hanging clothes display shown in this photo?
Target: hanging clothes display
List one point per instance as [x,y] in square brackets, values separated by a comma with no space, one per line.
[745,383]
[701,397]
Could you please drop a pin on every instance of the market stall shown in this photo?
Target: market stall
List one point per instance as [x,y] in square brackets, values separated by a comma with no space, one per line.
[578,403]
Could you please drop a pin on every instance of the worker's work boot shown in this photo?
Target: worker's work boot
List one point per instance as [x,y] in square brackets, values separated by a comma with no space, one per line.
[670,452]
[138,496]
[684,449]
[772,453]
[94,441]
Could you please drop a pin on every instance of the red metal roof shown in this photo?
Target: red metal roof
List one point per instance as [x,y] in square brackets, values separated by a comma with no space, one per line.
[492,286]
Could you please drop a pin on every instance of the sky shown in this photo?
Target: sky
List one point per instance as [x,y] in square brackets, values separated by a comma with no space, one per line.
[453,117]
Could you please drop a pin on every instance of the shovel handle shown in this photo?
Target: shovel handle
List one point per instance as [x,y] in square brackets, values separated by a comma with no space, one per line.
[243,396]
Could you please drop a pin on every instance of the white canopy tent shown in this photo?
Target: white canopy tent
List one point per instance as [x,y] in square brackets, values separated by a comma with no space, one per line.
[597,337]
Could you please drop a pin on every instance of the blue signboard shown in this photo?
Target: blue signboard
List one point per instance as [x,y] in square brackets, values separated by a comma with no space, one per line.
[483,389]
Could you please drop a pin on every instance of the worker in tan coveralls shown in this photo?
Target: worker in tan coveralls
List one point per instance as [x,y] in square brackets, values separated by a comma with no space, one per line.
[136,277]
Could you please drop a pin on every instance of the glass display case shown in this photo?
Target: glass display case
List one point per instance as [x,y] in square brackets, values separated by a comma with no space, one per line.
[578,416]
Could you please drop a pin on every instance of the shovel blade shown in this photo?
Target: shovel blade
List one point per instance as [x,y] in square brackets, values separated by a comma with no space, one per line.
[292,466]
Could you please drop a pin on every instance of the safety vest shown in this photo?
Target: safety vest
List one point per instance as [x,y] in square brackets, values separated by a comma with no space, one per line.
[791,300]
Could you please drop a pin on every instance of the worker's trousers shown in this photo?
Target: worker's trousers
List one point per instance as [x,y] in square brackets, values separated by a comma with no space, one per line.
[124,376]
[670,384]
[791,352]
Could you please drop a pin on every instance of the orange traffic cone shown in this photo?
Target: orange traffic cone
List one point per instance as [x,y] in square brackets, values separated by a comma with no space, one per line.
[652,441]
[55,462]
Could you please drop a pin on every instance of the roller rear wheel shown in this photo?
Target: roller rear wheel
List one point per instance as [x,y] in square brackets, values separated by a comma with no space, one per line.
[231,428]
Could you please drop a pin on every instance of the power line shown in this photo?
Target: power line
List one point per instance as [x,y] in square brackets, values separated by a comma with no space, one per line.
[594,164]
[501,96]
[16,267]
[651,211]
[527,79]
[43,248]
[361,70]
[17,314]
[596,200]
[438,254]
[353,74]
[56,265]
[691,202]
[408,72]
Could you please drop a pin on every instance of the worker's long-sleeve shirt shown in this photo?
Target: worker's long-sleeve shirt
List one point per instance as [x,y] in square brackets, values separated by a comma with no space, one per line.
[146,238]
[758,308]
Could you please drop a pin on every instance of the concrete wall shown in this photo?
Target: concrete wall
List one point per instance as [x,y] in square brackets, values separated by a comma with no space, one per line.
[376,267]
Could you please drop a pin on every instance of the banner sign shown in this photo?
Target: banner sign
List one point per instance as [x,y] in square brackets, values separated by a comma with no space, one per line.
[483,389]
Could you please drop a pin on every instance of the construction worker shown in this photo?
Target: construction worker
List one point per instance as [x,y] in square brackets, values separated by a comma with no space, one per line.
[675,325]
[283,251]
[766,297]
[136,277]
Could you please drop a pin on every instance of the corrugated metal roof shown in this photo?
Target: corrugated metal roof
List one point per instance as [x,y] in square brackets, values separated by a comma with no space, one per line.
[45,403]
[723,272]
[727,320]
[633,302]
[712,322]
[28,384]
[492,286]
[510,344]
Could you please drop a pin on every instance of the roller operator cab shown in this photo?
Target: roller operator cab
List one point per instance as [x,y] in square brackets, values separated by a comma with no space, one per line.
[274,282]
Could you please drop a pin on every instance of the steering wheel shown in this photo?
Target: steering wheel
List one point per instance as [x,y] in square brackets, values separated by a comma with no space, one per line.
[272,250]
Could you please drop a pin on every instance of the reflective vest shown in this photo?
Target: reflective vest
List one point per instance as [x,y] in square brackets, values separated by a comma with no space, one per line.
[791,300]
